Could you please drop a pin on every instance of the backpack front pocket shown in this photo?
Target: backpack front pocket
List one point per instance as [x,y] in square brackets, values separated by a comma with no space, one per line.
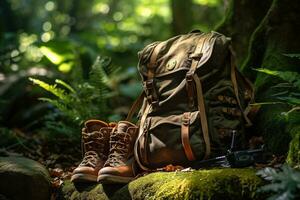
[176,139]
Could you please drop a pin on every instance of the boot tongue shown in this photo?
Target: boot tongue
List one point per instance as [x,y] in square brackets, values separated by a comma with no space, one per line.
[95,125]
[123,126]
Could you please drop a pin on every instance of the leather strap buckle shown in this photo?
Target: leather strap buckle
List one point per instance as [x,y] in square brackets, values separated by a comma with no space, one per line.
[190,88]
[151,94]
[196,56]
[186,119]
[149,84]
[189,77]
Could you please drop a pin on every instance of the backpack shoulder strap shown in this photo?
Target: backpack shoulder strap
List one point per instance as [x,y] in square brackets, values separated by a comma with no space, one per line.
[149,84]
[203,117]
[135,106]
[234,72]
[201,54]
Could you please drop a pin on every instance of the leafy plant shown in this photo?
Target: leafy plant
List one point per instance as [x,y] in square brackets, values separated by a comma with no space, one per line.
[81,101]
[290,93]
[284,184]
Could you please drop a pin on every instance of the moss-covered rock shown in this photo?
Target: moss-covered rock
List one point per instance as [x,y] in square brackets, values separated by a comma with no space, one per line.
[199,184]
[294,150]
[87,191]
[23,179]
[273,126]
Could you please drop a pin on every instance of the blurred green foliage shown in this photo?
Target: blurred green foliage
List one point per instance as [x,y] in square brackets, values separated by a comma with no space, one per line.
[283,183]
[60,40]
[288,89]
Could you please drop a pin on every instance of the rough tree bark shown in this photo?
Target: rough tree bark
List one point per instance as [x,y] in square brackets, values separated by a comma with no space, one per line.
[182,16]
[262,32]
[242,17]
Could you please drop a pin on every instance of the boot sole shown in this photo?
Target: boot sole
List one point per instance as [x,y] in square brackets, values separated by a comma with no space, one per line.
[108,178]
[83,178]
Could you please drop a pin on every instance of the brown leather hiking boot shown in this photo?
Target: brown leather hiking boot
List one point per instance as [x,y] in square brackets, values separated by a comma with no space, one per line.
[119,166]
[95,148]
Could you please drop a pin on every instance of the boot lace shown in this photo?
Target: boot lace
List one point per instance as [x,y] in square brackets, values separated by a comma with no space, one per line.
[90,159]
[94,147]
[118,149]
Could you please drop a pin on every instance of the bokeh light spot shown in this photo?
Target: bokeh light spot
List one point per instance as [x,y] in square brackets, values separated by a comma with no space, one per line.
[14,67]
[118,16]
[100,8]
[14,53]
[49,6]
[47,26]
[65,30]
[46,37]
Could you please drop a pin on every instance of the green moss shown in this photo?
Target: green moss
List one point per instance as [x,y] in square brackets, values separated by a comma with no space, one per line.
[83,191]
[273,126]
[87,191]
[200,184]
[293,158]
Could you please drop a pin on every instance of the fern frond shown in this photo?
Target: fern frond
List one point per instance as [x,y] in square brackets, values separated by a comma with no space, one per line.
[55,103]
[70,113]
[99,79]
[60,93]
[66,85]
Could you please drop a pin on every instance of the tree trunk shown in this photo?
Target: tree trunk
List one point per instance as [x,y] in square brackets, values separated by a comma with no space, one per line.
[182,16]
[262,32]
[242,17]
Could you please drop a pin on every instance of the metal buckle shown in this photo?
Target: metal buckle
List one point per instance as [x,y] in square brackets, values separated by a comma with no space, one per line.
[150,92]
[149,84]
[189,77]
[196,56]
[190,88]
[186,119]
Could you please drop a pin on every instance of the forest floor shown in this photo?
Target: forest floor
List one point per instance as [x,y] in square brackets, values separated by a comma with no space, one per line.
[62,156]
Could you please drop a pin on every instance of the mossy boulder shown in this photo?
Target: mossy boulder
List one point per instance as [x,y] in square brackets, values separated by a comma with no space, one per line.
[198,184]
[293,157]
[23,179]
[87,191]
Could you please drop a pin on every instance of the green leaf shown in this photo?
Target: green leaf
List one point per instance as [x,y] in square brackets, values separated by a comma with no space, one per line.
[295,55]
[284,183]
[288,76]
[60,93]
[290,100]
[61,82]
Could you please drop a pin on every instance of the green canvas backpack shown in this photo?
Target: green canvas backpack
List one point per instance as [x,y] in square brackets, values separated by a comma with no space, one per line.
[193,99]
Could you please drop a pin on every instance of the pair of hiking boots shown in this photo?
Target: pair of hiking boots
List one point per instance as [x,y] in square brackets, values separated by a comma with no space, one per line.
[107,152]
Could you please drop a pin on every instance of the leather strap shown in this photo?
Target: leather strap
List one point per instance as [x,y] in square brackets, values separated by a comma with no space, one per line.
[185,139]
[250,85]
[236,89]
[149,84]
[135,106]
[192,78]
[190,88]
[152,63]
[141,131]
[143,141]
[203,118]
[196,56]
